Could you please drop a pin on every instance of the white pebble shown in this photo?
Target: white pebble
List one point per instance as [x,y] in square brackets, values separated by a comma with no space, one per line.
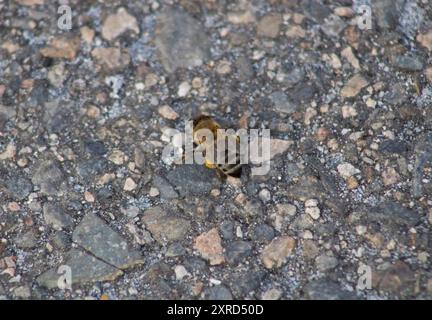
[239,232]
[129,185]
[154,192]
[183,89]
[311,203]
[347,170]
[265,195]
[307,234]
[180,272]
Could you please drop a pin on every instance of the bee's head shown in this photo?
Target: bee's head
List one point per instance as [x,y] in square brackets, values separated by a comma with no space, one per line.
[204,122]
[201,119]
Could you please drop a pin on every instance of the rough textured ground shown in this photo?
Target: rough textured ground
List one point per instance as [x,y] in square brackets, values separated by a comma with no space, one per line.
[82,182]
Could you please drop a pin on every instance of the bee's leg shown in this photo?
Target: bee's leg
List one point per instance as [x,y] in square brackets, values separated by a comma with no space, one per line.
[221,174]
[235,171]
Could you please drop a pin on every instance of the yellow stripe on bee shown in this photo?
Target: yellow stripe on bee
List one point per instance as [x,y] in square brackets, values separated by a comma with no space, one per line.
[209,165]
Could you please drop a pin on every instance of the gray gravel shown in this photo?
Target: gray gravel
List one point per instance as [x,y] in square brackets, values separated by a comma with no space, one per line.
[83,183]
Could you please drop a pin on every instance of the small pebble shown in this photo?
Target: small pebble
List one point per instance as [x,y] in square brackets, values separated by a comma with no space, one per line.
[129,185]
[89,197]
[154,192]
[183,89]
[180,272]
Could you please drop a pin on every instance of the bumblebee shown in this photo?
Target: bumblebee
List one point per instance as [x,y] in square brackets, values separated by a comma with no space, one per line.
[224,169]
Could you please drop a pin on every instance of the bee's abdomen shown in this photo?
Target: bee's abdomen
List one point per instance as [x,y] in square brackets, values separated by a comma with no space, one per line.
[233,168]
